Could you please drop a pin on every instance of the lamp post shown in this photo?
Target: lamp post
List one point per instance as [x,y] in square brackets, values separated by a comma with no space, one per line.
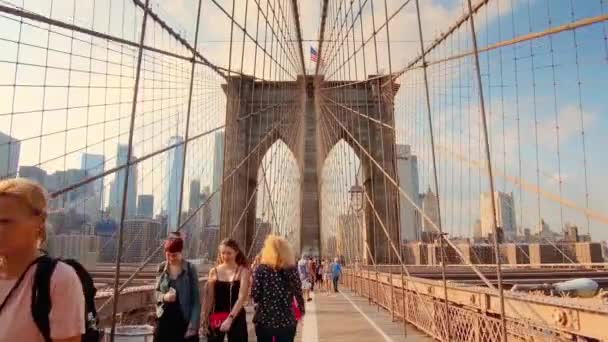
[356,197]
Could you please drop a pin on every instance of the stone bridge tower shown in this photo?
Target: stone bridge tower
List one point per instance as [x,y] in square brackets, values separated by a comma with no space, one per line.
[260,112]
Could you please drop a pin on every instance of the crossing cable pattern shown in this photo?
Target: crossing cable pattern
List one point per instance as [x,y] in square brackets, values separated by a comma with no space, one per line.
[473,70]
[122,118]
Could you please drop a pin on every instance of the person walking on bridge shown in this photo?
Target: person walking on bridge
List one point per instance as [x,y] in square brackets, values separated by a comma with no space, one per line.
[23,213]
[226,294]
[178,307]
[277,292]
[303,271]
[336,273]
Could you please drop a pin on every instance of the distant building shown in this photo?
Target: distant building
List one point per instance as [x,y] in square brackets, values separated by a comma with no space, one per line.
[106,230]
[173,181]
[82,199]
[83,247]
[430,208]
[117,186]
[477,234]
[209,241]
[407,169]
[10,149]
[66,221]
[505,213]
[33,173]
[543,231]
[94,164]
[141,237]
[145,206]
[195,194]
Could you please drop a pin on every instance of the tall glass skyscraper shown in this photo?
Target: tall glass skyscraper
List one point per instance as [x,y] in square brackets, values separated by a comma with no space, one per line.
[117,186]
[173,181]
[94,164]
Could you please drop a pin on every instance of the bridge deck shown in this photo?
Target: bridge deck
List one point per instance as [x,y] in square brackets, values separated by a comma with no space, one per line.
[345,317]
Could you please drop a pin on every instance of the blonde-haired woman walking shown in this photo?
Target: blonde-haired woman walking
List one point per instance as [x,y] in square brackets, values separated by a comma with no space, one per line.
[276,283]
[23,212]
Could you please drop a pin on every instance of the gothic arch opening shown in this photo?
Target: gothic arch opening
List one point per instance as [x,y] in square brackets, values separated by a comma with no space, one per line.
[278,208]
[342,214]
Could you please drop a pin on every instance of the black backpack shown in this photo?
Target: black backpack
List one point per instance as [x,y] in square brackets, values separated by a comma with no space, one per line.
[41,297]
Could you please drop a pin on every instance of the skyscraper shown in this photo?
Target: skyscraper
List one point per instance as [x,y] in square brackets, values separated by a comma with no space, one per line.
[407,169]
[431,210]
[173,181]
[80,200]
[218,174]
[145,206]
[195,194]
[94,164]
[117,186]
[505,213]
[10,149]
[33,173]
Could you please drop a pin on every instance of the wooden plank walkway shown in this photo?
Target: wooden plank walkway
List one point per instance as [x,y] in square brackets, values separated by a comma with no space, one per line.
[344,317]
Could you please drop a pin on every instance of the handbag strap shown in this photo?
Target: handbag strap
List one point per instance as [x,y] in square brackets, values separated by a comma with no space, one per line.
[17,284]
[234,276]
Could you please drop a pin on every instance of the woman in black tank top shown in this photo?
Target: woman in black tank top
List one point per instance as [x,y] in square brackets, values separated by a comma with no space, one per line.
[227,292]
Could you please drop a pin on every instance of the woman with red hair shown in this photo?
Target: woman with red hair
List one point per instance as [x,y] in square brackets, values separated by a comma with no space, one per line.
[178,306]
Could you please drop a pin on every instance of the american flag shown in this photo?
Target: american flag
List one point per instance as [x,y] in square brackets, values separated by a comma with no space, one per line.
[313,54]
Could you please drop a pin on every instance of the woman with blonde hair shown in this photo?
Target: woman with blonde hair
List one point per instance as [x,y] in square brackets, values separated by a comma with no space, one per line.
[23,212]
[276,283]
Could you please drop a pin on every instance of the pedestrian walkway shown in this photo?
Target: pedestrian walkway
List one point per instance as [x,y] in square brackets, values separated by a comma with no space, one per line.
[344,317]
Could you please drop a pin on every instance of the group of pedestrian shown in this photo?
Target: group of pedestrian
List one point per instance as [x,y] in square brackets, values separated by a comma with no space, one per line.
[322,273]
[48,299]
[274,286]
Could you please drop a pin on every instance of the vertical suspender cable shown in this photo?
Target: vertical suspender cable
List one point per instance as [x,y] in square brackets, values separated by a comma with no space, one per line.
[490,175]
[127,172]
[435,178]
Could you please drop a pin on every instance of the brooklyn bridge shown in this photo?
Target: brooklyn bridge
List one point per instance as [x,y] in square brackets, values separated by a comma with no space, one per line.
[449,153]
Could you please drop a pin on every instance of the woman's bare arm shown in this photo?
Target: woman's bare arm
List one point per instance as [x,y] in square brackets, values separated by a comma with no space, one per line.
[245,279]
[208,295]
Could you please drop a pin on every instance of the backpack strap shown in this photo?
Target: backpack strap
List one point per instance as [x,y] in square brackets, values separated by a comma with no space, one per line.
[16,286]
[41,295]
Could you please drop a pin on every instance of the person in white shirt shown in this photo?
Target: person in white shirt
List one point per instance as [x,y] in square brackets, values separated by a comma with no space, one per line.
[303,270]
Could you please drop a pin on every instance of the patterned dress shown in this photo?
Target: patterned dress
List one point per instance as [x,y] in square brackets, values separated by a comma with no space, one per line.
[273,293]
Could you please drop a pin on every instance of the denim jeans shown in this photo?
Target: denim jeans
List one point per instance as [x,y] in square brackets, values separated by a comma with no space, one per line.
[336,279]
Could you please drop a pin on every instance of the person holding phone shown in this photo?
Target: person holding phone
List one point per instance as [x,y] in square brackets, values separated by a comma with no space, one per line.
[178,306]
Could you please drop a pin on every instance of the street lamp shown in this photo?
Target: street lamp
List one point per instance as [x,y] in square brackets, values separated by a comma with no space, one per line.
[356,197]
